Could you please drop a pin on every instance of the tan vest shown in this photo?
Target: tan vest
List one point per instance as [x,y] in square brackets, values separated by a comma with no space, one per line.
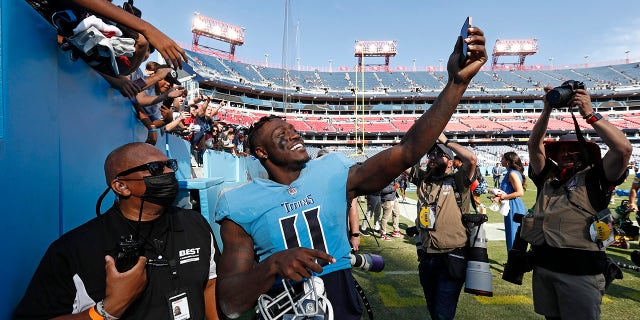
[449,231]
[557,221]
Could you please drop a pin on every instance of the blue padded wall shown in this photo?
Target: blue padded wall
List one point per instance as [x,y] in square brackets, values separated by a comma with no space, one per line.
[59,121]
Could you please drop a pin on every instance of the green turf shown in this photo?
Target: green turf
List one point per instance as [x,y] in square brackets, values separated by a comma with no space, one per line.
[396,294]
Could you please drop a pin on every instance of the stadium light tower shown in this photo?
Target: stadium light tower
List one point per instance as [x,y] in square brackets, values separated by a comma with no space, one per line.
[551,63]
[519,48]
[211,28]
[375,48]
[266,59]
[330,66]
[626,60]
[586,61]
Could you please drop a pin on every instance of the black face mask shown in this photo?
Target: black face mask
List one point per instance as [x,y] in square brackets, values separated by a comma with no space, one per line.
[161,189]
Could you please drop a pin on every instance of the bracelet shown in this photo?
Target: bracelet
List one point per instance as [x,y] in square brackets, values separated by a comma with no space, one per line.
[99,308]
[93,314]
[355,234]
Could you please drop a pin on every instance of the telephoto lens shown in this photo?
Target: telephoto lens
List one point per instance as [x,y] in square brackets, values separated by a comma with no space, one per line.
[367,262]
[478,279]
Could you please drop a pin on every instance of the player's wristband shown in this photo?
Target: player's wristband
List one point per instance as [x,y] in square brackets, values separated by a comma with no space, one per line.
[93,314]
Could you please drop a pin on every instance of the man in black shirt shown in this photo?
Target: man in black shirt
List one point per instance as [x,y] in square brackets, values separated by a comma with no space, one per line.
[172,252]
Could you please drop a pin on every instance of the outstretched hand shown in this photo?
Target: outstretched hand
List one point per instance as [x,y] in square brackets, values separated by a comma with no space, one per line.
[123,288]
[298,263]
[169,49]
[472,64]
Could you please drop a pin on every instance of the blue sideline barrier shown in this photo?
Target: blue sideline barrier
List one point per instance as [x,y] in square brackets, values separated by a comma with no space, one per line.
[58,121]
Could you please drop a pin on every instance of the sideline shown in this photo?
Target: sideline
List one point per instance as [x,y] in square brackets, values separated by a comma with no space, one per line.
[494,231]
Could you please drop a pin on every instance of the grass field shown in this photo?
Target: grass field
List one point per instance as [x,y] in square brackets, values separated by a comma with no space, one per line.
[395,293]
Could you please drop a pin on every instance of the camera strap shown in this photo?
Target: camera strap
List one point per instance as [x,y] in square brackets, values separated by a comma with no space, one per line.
[365,301]
[581,140]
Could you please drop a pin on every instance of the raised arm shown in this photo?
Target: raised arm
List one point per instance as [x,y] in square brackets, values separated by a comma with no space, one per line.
[615,161]
[377,171]
[535,144]
[469,159]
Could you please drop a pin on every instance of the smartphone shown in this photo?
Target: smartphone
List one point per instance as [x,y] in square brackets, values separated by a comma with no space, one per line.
[464,33]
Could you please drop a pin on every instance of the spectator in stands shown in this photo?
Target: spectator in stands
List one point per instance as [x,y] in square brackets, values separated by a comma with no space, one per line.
[443,197]
[513,187]
[131,38]
[240,142]
[204,128]
[177,126]
[227,135]
[574,184]
[80,275]
[497,173]
[170,50]
[272,221]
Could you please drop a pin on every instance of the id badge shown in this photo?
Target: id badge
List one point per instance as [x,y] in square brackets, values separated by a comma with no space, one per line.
[178,303]
[428,217]
[601,230]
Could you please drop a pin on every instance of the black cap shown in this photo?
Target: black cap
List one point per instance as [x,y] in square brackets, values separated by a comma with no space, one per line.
[172,76]
[442,148]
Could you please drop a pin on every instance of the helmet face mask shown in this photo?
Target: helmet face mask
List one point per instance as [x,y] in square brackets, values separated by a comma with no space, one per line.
[307,302]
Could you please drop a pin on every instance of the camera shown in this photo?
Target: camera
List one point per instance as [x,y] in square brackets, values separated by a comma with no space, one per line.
[560,96]
[367,261]
[478,279]
[413,232]
[129,250]
[518,259]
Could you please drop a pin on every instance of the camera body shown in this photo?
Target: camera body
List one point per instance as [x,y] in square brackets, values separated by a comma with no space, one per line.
[367,261]
[519,261]
[413,232]
[560,97]
[129,250]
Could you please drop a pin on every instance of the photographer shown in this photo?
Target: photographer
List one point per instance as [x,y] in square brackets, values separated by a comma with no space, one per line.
[574,185]
[443,197]
[91,272]
[633,193]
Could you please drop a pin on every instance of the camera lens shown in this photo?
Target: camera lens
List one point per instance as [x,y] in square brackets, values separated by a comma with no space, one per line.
[559,96]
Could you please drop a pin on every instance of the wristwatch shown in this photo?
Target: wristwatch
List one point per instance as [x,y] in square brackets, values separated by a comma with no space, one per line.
[593,117]
[100,310]
[355,234]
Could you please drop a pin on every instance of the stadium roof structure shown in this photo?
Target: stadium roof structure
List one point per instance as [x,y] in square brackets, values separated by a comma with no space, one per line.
[520,48]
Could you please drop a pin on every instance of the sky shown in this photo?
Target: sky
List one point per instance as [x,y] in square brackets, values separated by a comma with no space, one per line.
[568,32]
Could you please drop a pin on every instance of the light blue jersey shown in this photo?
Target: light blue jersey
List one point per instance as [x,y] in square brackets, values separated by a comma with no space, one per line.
[310,213]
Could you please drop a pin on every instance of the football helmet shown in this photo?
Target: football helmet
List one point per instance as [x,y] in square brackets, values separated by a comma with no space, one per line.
[308,301]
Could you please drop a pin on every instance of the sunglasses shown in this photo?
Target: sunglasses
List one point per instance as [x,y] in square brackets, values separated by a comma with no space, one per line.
[154,167]
[436,155]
